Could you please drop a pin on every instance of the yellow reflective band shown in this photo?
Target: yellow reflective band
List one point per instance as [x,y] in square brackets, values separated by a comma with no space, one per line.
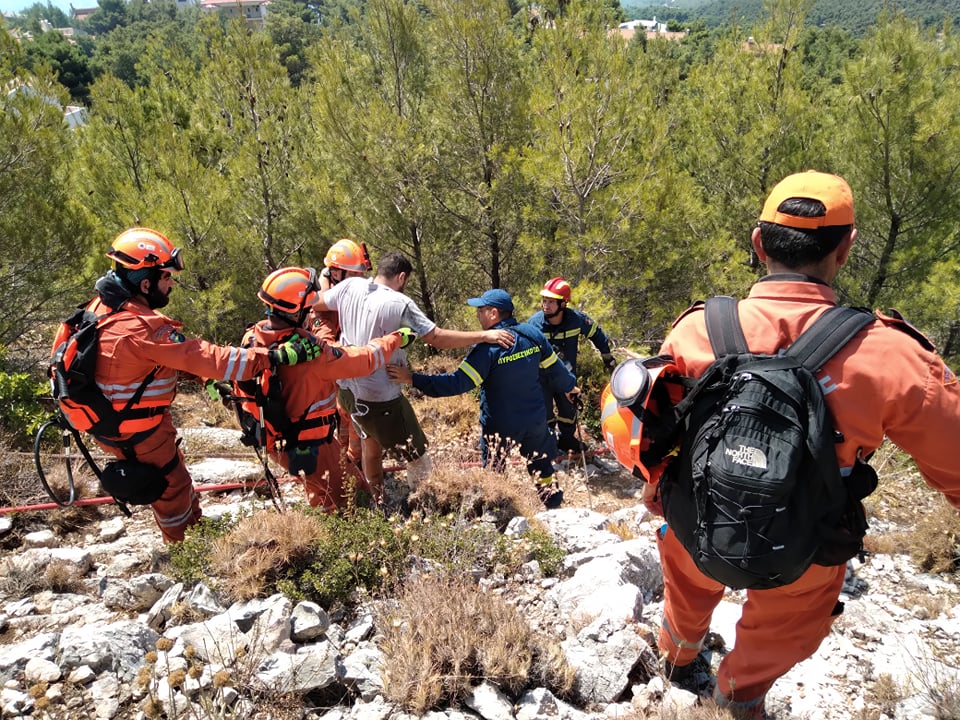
[549,361]
[471,373]
[593,329]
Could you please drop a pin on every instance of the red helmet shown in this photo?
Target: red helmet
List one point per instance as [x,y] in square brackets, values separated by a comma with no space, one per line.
[140,248]
[347,255]
[556,288]
[290,289]
[635,416]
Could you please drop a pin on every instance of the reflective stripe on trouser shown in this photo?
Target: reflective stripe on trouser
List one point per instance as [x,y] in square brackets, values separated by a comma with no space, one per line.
[778,628]
[179,506]
[332,483]
[565,418]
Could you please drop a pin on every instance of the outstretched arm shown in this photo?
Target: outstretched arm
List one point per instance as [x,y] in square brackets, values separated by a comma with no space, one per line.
[448,339]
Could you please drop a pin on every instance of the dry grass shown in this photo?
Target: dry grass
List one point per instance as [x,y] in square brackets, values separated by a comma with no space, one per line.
[59,576]
[442,636]
[251,557]
[472,491]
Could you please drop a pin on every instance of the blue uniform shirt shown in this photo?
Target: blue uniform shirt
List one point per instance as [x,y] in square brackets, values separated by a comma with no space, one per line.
[565,337]
[511,398]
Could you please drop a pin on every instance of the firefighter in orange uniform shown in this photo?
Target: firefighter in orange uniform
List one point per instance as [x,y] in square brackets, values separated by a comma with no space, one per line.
[888,381]
[138,343]
[309,391]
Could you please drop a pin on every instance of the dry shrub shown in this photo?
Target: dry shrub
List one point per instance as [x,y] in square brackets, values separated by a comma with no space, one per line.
[443,636]
[61,576]
[472,491]
[621,530]
[885,693]
[254,554]
[934,543]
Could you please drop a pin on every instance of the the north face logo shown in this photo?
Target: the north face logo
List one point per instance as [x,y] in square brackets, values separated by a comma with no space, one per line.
[746,455]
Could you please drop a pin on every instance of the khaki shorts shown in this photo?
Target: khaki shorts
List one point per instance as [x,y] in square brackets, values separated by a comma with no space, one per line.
[393,424]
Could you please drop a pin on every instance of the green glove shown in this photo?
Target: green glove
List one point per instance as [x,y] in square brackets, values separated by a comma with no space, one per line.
[211,387]
[298,350]
[407,336]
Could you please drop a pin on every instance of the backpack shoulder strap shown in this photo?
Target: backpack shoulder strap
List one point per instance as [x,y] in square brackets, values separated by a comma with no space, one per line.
[723,326]
[824,339]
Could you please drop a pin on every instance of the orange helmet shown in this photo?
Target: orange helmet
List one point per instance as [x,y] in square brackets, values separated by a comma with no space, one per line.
[347,255]
[141,248]
[556,288]
[635,414]
[290,290]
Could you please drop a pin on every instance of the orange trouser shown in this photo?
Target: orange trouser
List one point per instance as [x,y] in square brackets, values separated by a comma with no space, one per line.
[324,487]
[777,629]
[347,435]
[179,506]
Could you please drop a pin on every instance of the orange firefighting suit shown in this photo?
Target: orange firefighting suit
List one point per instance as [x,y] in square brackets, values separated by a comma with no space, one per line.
[886,381]
[309,392]
[131,344]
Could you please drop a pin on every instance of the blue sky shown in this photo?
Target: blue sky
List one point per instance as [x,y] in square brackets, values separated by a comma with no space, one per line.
[8,6]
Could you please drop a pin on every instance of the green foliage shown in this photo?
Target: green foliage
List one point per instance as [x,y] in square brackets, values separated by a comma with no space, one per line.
[364,551]
[360,552]
[545,551]
[21,411]
[190,558]
[65,59]
[42,224]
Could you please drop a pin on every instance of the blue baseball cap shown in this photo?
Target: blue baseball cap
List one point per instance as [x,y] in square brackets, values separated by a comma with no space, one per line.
[497,298]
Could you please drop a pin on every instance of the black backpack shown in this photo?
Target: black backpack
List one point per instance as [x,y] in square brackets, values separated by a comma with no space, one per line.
[756,494]
[72,381]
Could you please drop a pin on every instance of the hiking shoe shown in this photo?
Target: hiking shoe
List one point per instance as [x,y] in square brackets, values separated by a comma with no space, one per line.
[743,710]
[694,677]
[550,495]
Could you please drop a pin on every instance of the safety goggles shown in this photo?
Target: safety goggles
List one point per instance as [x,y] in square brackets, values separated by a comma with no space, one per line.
[630,382]
[175,263]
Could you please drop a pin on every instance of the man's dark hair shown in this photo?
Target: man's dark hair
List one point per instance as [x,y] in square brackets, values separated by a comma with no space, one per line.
[392,264]
[503,314]
[795,248]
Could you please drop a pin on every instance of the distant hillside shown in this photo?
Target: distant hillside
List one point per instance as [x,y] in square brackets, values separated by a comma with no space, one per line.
[854,17]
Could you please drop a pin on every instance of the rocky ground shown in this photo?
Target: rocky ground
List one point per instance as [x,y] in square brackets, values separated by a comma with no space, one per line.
[894,653]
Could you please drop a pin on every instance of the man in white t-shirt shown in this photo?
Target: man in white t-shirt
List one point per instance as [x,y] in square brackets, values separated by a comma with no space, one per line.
[385,418]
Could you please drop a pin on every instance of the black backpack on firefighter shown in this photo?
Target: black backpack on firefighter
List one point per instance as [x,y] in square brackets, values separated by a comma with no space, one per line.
[756,494]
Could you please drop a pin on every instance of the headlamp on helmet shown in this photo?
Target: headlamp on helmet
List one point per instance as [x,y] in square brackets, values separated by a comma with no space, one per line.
[636,413]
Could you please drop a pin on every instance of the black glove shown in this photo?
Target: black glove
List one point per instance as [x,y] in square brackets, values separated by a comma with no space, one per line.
[297,350]
[609,361]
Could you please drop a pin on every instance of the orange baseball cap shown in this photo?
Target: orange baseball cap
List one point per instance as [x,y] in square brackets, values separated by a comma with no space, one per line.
[831,190]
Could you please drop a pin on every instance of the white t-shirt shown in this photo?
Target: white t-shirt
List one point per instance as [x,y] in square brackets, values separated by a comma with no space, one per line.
[368,310]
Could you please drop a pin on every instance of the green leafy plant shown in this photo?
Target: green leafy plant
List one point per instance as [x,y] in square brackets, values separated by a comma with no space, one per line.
[190,558]
[21,411]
